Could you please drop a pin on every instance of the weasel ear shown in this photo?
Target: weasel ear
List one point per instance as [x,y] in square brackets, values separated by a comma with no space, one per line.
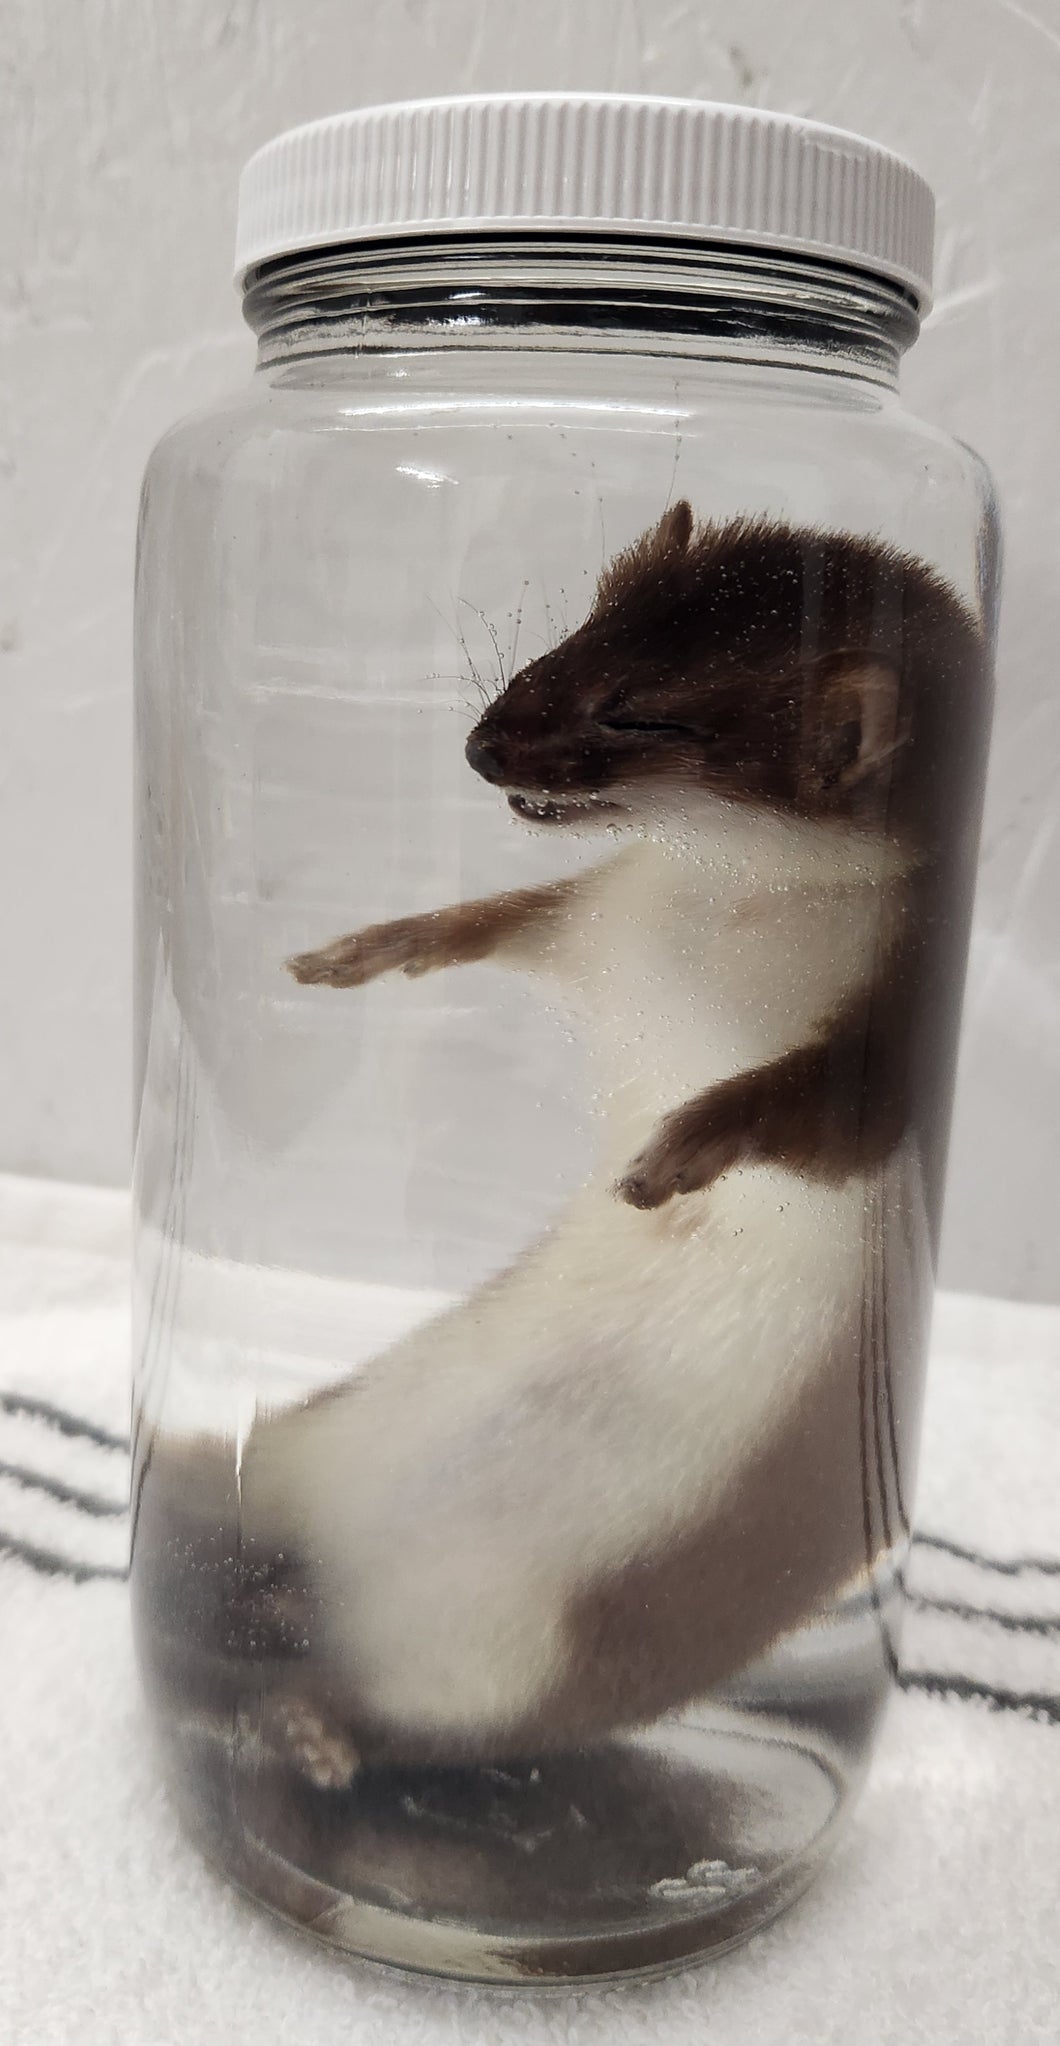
[636,570]
[674,530]
[855,724]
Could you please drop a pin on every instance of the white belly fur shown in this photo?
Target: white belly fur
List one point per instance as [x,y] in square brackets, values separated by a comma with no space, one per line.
[604,1393]
[573,1417]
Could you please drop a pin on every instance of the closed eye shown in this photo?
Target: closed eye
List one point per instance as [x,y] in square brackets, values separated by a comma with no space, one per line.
[649,726]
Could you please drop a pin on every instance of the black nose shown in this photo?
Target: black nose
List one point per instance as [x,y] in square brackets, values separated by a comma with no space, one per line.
[484,756]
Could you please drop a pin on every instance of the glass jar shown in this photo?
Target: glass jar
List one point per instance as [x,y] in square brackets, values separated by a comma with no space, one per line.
[563,687]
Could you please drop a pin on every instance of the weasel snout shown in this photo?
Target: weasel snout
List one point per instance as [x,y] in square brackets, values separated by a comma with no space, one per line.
[484,755]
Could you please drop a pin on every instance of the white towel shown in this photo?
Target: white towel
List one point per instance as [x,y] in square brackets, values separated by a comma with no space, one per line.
[935,1923]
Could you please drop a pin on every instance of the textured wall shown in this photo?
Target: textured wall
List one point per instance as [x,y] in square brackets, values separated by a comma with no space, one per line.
[123,125]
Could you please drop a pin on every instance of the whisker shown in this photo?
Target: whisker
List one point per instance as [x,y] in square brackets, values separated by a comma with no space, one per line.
[673,472]
[459,637]
[494,641]
[513,650]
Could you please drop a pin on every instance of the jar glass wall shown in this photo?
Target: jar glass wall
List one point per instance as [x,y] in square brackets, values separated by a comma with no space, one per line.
[577,662]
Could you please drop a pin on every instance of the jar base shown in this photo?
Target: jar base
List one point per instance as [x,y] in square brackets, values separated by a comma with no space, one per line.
[631,1860]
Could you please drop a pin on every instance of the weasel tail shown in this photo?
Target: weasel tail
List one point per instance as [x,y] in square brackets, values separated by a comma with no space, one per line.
[678,1426]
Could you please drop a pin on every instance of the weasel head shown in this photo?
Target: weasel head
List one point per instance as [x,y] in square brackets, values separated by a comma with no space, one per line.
[747,662]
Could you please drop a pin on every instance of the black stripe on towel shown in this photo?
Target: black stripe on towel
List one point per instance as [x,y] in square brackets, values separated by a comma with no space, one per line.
[1014,1623]
[60,1418]
[77,1425]
[934,1683]
[48,1563]
[937,1684]
[1046,1566]
[68,1495]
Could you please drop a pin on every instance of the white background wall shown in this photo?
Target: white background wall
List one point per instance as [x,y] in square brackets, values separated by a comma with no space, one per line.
[123,124]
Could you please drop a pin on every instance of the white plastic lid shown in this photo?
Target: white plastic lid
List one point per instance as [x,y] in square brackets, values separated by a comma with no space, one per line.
[588,163]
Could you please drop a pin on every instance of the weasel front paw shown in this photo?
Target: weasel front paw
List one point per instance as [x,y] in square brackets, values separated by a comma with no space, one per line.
[408,945]
[691,1149]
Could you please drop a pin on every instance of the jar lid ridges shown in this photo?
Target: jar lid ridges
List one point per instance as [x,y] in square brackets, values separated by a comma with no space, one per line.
[583,163]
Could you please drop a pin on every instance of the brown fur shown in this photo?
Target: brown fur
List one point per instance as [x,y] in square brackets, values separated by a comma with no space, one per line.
[456,936]
[763,662]
[815,1505]
[823,677]
[672,1626]
[829,1108]
[818,674]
